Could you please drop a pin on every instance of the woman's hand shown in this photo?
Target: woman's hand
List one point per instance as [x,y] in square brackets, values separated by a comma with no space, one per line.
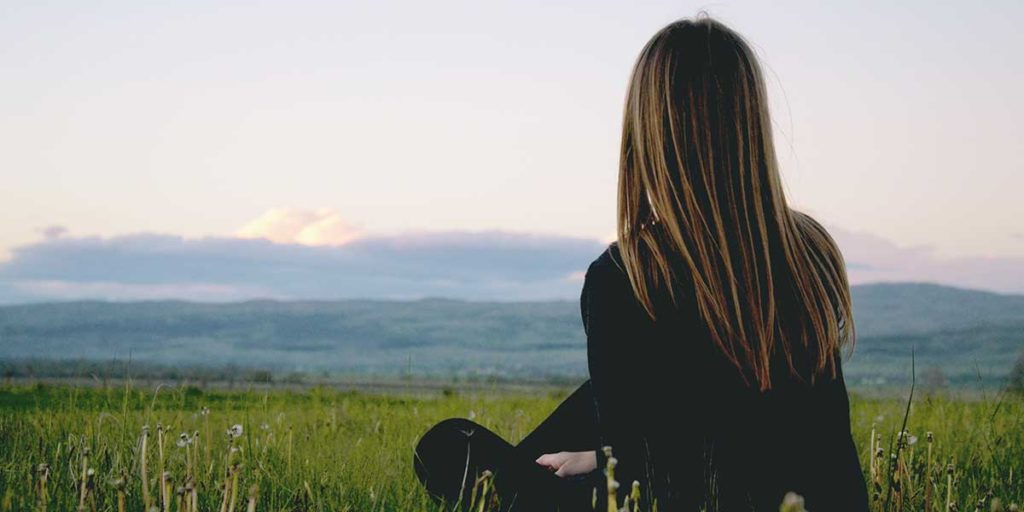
[569,463]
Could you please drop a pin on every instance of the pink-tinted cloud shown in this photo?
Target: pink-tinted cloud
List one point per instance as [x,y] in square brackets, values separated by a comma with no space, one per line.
[870,258]
[323,226]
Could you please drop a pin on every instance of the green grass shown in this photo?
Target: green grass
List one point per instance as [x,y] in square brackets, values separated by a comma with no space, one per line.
[321,449]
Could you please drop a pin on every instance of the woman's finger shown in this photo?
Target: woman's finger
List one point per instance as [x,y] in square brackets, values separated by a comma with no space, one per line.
[549,460]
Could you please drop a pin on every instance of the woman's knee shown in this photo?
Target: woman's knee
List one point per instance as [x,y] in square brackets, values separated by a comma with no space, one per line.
[443,439]
[439,458]
[448,429]
[455,423]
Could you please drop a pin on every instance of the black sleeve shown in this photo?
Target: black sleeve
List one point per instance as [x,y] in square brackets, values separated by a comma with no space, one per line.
[849,490]
[615,325]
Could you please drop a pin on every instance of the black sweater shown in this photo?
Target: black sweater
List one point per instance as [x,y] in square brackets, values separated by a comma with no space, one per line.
[682,423]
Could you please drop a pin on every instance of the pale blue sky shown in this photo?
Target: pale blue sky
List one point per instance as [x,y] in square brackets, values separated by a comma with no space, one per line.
[896,120]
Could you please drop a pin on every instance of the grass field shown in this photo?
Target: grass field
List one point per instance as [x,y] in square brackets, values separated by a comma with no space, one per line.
[70,448]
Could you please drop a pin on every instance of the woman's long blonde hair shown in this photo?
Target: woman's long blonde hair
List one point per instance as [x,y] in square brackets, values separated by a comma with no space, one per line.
[700,201]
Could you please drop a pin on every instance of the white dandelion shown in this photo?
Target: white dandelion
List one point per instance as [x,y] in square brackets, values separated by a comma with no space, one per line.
[183,440]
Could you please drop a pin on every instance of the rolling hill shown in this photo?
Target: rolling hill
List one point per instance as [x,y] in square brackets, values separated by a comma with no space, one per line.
[963,337]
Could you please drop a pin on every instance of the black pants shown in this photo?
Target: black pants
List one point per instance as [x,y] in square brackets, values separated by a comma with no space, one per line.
[453,453]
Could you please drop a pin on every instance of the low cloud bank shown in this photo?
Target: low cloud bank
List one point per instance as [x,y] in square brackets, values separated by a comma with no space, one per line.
[490,265]
[484,265]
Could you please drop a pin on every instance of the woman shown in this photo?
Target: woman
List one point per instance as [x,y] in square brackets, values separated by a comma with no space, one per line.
[714,323]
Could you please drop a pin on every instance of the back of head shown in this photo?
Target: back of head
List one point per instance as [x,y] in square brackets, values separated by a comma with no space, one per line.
[701,202]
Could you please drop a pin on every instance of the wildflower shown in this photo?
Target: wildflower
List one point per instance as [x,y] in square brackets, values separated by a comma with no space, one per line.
[929,436]
[792,502]
[205,411]
[905,439]
[235,431]
[183,440]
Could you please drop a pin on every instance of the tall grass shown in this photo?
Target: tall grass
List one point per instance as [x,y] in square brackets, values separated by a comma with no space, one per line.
[183,449]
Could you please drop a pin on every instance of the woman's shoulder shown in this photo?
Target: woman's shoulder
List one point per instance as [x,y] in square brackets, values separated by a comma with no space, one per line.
[607,269]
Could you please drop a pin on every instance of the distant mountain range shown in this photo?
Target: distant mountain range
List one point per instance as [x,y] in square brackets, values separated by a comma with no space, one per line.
[960,337]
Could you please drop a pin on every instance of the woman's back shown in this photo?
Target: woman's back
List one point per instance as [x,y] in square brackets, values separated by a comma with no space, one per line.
[714,322]
[683,423]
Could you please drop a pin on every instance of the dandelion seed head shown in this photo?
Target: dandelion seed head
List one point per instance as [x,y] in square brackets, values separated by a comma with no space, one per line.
[792,502]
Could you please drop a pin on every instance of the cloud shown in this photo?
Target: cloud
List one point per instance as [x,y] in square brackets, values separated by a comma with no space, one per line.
[298,226]
[488,265]
[870,258]
[54,231]
[480,265]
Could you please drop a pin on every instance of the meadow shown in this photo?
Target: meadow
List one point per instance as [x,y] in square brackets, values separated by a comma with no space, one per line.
[182,448]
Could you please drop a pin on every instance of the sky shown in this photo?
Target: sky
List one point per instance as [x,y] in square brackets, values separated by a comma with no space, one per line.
[226,150]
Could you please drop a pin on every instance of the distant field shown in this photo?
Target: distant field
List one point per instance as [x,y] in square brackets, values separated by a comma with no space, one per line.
[321,449]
